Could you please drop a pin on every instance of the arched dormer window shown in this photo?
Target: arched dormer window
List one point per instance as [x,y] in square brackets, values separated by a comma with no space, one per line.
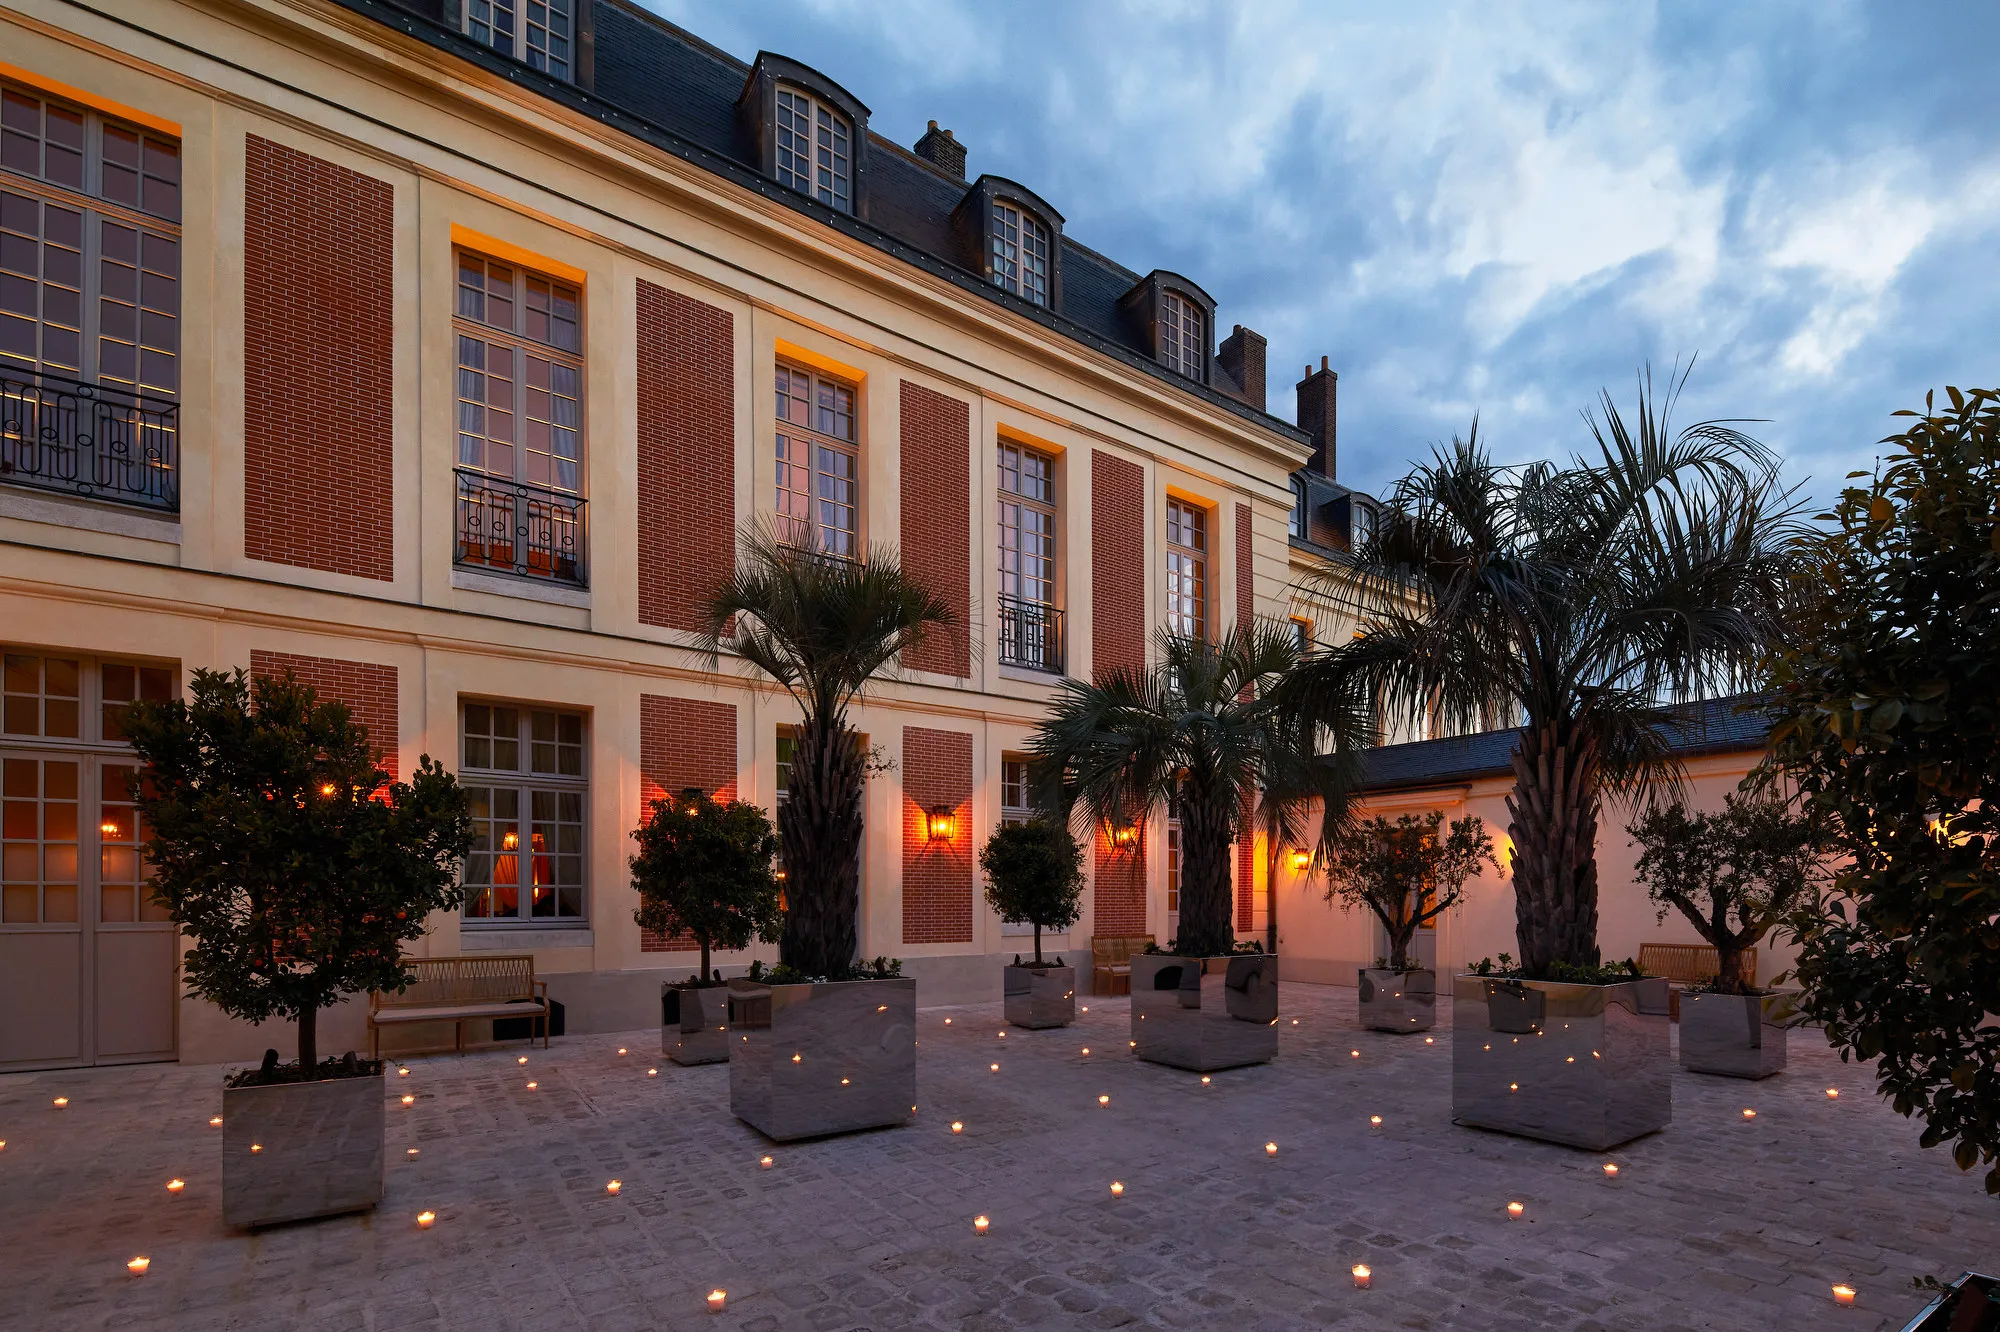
[1020,252]
[1013,239]
[1183,335]
[806,132]
[1174,320]
[815,149]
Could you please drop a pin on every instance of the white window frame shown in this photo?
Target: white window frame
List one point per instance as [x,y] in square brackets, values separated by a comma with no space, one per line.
[539,33]
[815,148]
[526,782]
[1187,567]
[1183,335]
[1022,249]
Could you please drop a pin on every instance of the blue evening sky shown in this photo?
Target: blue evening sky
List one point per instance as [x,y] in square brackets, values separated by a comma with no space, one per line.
[1493,208]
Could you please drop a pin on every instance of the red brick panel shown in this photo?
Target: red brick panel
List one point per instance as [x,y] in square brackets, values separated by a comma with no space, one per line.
[1117,567]
[1118,896]
[687,455]
[318,381]
[1246,865]
[368,690]
[937,876]
[683,742]
[937,519]
[1246,581]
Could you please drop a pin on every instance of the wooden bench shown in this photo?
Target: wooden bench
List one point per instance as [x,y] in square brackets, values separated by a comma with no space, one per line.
[457,989]
[1689,964]
[1111,961]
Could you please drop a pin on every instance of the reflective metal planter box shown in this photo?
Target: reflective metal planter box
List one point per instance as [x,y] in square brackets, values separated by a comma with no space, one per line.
[809,1060]
[319,1150]
[1039,997]
[1398,1000]
[1205,1013]
[1586,1065]
[1736,1035]
[694,1023]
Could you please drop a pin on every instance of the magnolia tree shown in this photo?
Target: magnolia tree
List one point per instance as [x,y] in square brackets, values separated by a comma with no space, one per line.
[1405,872]
[704,869]
[1034,873]
[294,865]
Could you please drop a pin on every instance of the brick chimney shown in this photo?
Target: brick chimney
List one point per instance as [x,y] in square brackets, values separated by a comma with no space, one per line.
[1316,415]
[1242,356]
[942,151]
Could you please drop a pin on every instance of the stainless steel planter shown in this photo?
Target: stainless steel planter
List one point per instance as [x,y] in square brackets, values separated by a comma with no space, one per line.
[694,1023]
[1039,997]
[1586,1065]
[318,1150]
[1736,1035]
[1205,1013]
[809,1060]
[1398,1000]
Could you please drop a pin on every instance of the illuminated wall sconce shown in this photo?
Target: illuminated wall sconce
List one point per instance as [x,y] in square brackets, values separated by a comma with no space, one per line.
[1302,860]
[1124,836]
[942,823]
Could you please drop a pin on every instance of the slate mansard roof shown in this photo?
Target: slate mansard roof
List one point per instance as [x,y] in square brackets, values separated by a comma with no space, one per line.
[657,82]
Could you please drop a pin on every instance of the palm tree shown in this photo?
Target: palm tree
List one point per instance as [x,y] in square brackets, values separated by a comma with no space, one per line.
[1592,601]
[1200,728]
[823,628]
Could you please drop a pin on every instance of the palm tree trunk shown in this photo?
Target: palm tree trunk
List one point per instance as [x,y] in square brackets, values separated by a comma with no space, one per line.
[820,829]
[1553,811]
[1206,928]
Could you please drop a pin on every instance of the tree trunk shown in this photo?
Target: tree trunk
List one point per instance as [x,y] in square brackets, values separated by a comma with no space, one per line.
[703,977]
[1206,929]
[309,1043]
[1553,811]
[820,829]
[1038,943]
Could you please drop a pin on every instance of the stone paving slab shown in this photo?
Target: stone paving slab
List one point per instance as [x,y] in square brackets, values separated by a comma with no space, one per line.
[1717,1223]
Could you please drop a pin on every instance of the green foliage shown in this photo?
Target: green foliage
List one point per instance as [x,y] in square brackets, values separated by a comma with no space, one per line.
[704,868]
[1733,874]
[1034,873]
[294,866]
[1887,706]
[1601,973]
[880,968]
[1404,872]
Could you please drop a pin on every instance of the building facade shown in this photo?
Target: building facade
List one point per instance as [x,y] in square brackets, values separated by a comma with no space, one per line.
[440,353]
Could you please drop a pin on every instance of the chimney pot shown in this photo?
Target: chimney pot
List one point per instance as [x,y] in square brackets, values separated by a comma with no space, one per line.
[942,150]
[1317,415]
[1241,356]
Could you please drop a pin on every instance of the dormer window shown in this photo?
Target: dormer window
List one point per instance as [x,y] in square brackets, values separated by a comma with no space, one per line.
[1183,335]
[537,32]
[1020,253]
[814,149]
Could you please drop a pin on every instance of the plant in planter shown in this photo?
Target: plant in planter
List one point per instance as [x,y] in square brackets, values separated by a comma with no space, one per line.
[1034,873]
[704,869]
[823,628]
[1407,874]
[1733,874]
[297,870]
[1203,729]
[1593,600]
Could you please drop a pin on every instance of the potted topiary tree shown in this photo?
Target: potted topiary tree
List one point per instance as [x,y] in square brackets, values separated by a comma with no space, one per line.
[1733,874]
[825,1044]
[296,869]
[1407,876]
[1034,873]
[704,870]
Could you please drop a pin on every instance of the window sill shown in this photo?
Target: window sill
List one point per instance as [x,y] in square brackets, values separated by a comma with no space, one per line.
[36,506]
[553,594]
[1029,675]
[506,939]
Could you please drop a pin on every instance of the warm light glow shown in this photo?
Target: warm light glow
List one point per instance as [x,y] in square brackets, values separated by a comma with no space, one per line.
[1376,1120]
[1003,1035]
[843,1082]
[1513,1086]
[763,1163]
[522,1060]
[61,1101]
[1749,1114]
[1610,1170]
[1843,1295]
[717,1298]
[1086,1049]
[613,1186]
[1270,1149]
[108,828]
[215,1122]
[1117,1189]
[138,1266]
[1124,835]
[1361,1275]
[994,1067]
[510,842]
[424,1220]
[795,1058]
[942,823]
[958,1126]
[409,1100]
[402,1072]
[652,1072]
[256,1147]
[1833,1093]
[621,1049]
[327,789]
[533,1085]
[1354,1054]
[979,1224]
[1301,858]
[411,1153]
[1515,1209]
[1204,1079]
[1104,1100]
[176,1185]
[1429,1041]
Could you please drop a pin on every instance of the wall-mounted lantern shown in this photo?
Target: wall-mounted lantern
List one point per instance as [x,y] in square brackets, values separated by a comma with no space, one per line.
[942,822]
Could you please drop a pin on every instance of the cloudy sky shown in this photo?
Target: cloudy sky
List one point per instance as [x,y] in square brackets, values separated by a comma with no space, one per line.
[1493,209]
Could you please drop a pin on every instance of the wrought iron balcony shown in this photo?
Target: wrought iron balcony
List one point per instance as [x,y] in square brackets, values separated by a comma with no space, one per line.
[1031,635]
[512,528]
[96,441]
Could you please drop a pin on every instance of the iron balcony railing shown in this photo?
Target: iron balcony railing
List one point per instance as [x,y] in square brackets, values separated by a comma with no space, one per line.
[96,441]
[1031,635]
[513,528]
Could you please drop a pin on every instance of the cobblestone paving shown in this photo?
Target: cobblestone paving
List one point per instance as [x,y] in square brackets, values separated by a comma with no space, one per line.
[1718,1222]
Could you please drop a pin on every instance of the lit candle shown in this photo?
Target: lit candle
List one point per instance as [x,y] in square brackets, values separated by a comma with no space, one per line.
[1513,1086]
[1354,1054]
[1204,1079]
[1843,1295]
[256,1147]
[957,1126]
[621,1049]
[176,1185]
[424,1220]
[716,1299]
[763,1163]
[1749,1114]
[533,1085]
[1104,1100]
[411,1153]
[1003,1035]
[215,1122]
[1086,1049]
[138,1266]
[1086,1008]
[979,1224]
[1270,1149]
[409,1100]
[1361,1275]
[1295,1022]
[994,1067]
[1376,1120]
[1133,1044]
[61,1101]
[1515,1209]
[613,1187]
[796,1059]
[947,1022]
[402,1072]
[1117,1189]
[1610,1170]
[1833,1093]
[843,1082]
[652,1072]
[1429,1040]
[522,1060]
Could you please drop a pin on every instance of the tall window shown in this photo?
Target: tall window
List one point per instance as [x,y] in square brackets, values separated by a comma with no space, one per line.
[520,419]
[819,471]
[1020,253]
[1187,569]
[536,31]
[1030,624]
[1298,517]
[1015,804]
[1302,634]
[524,771]
[814,153]
[1183,335]
[90,262]
[1174,860]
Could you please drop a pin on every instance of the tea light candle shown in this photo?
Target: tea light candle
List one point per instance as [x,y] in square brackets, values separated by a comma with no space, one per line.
[1749,1114]
[652,1072]
[979,1224]
[1515,1209]
[1086,1049]
[1610,1170]
[1361,1275]
[717,1298]
[613,1187]
[1354,1054]
[1376,1120]
[61,1101]
[1117,1189]
[1204,1079]
[409,1100]
[411,1153]
[533,1085]
[402,1072]
[621,1049]
[1513,1086]
[1104,1100]
[1086,1008]
[1833,1093]
[947,1022]
[763,1163]
[256,1147]
[424,1220]
[843,1082]
[1003,1035]
[958,1126]
[1429,1040]
[522,1060]
[1270,1149]
[216,1122]
[1843,1296]
[994,1067]
[176,1185]
[138,1266]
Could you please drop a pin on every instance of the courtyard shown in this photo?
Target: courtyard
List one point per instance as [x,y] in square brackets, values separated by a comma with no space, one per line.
[1721,1222]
